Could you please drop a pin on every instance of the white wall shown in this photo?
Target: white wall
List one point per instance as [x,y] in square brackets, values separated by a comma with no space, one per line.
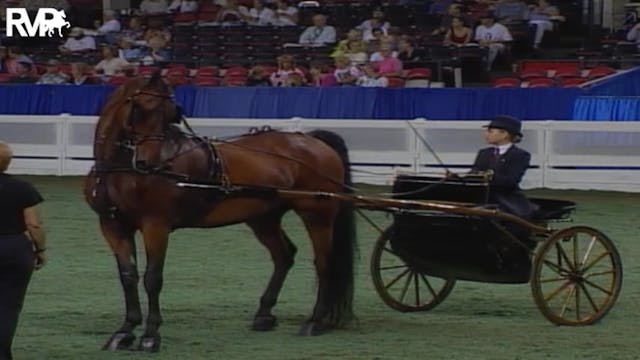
[565,154]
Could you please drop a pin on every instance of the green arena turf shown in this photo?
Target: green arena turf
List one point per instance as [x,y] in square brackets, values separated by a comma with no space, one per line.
[213,279]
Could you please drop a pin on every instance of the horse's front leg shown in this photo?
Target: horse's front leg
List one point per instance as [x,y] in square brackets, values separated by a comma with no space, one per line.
[156,236]
[121,240]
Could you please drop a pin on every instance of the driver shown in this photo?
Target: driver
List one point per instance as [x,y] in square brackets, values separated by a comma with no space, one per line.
[508,164]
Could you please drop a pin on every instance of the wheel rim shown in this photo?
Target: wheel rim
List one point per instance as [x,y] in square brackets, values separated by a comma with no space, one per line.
[401,286]
[577,276]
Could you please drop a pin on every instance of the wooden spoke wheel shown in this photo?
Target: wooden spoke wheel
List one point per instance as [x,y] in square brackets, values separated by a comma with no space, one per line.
[577,276]
[400,285]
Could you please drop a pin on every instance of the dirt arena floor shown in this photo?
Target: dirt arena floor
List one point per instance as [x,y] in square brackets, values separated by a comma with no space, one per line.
[214,277]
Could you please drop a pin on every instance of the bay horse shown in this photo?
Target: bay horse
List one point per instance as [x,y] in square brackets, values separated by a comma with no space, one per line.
[141,156]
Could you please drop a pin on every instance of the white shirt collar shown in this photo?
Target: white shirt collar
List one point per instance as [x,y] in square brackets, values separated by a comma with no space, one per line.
[503,148]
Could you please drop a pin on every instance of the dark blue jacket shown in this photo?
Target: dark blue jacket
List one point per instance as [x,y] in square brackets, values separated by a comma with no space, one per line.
[508,170]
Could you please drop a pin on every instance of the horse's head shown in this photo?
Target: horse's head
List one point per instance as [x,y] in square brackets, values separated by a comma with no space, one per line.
[152,110]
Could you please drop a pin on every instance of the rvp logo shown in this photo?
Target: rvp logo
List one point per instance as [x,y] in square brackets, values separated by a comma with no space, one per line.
[46,22]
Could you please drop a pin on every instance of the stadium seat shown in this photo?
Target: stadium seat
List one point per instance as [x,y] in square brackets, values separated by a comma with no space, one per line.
[117,80]
[541,82]
[147,70]
[395,82]
[530,74]
[202,80]
[207,71]
[418,73]
[572,82]
[506,82]
[235,80]
[600,71]
[4,77]
[236,71]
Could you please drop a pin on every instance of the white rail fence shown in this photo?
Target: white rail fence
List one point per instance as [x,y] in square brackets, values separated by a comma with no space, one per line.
[565,154]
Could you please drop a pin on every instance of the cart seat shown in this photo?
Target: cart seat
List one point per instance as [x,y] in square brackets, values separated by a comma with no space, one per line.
[552,209]
[473,190]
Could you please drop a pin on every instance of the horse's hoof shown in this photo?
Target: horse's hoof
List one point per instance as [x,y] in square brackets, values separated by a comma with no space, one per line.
[264,323]
[312,328]
[120,341]
[149,343]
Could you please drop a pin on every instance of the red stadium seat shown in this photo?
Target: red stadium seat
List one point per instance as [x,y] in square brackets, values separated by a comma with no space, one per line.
[117,80]
[4,77]
[506,82]
[572,82]
[600,71]
[566,73]
[395,82]
[419,73]
[207,71]
[147,70]
[202,80]
[529,74]
[542,82]
[235,81]
[236,71]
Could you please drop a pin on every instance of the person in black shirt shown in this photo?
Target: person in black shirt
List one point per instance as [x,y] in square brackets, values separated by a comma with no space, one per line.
[22,245]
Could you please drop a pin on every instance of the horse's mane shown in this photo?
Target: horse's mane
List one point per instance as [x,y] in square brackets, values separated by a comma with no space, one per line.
[110,121]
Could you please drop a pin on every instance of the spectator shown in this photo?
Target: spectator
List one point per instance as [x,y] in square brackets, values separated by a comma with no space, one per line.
[345,73]
[78,42]
[109,24]
[458,34]
[320,76]
[455,10]
[371,78]
[233,14]
[320,33]
[261,15]
[183,6]
[258,77]
[511,11]
[53,75]
[111,64]
[540,18]
[285,15]
[386,62]
[297,79]
[23,74]
[13,57]
[157,52]
[492,35]
[155,28]
[408,52]
[286,67]
[440,7]
[128,52]
[634,34]
[80,76]
[152,7]
[352,47]
[134,29]
[376,22]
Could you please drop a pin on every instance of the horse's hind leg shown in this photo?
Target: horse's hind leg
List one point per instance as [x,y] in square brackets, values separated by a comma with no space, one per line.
[320,230]
[121,240]
[282,250]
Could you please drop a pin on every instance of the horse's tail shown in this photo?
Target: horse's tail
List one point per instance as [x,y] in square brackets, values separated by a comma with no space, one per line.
[344,246]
